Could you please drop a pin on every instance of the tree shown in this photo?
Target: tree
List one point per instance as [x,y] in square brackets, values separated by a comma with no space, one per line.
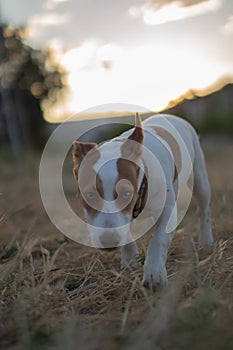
[28,78]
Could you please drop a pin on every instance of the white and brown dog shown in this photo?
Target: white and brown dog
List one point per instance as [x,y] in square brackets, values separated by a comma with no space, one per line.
[139,175]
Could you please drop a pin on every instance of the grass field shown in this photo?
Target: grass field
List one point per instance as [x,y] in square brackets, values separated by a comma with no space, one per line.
[56,294]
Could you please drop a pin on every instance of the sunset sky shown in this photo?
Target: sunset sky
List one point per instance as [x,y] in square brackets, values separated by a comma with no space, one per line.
[143,52]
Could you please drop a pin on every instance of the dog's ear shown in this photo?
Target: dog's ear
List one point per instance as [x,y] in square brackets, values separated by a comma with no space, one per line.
[80,150]
[132,147]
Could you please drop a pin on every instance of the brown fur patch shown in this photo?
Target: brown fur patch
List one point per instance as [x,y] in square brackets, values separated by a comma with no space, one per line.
[80,150]
[95,204]
[88,180]
[131,148]
[129,171]
[174,147]
[142,196]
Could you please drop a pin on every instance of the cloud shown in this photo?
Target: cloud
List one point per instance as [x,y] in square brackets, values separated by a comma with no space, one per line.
[227,29]
[155,12]
[39,22]
[51,4]
[105,21]
[183,3]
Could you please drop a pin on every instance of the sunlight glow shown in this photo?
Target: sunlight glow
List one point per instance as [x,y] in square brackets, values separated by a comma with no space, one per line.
[149,76]
[109,53]
[79,58]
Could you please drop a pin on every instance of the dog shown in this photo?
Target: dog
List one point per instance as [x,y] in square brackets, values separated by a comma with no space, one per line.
[139,176]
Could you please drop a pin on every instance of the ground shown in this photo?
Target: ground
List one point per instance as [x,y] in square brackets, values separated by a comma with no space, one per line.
[56,294]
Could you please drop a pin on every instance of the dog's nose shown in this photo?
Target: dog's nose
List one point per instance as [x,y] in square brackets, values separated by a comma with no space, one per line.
[108,240]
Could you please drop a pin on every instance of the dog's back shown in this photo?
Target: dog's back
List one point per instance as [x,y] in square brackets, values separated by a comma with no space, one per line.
[172,141]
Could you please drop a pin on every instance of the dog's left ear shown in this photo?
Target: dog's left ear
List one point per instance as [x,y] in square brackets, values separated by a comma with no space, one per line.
[132,147]
[80,150]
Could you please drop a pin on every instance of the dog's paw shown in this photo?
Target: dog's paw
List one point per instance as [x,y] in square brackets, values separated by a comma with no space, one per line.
[133,264]
[155,277]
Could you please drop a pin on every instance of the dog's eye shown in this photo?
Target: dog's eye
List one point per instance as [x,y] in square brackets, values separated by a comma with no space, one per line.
[126,195]
[89,195]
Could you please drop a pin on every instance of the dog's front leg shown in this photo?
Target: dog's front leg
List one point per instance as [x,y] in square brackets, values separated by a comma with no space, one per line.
[128,251]
[155,274]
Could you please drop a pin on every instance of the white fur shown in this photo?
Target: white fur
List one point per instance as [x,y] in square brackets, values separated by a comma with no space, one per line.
[109,225]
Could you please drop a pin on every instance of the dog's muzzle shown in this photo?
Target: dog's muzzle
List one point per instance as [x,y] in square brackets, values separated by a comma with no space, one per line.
[109,241]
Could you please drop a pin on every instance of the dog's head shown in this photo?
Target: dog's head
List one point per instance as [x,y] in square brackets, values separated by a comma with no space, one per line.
[111,186]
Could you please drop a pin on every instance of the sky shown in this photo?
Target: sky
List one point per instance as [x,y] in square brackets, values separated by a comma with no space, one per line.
[137,52]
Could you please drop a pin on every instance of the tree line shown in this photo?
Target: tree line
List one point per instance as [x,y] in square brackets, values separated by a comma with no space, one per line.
[28,78]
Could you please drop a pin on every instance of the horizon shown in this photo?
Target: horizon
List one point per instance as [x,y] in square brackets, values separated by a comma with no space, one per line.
[100,112]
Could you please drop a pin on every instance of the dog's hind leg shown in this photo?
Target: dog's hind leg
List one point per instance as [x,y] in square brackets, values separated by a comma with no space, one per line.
[202,193]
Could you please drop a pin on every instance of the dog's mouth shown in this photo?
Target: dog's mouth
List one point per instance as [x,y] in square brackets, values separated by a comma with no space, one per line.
[111,249]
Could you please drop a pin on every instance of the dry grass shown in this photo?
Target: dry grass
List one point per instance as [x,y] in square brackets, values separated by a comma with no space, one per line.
[56,294]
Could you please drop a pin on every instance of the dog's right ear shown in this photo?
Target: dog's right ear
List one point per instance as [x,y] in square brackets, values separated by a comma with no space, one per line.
[133,150]
[80,150]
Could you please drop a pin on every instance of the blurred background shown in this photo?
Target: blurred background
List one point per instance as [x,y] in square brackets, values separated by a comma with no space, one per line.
[59,58]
